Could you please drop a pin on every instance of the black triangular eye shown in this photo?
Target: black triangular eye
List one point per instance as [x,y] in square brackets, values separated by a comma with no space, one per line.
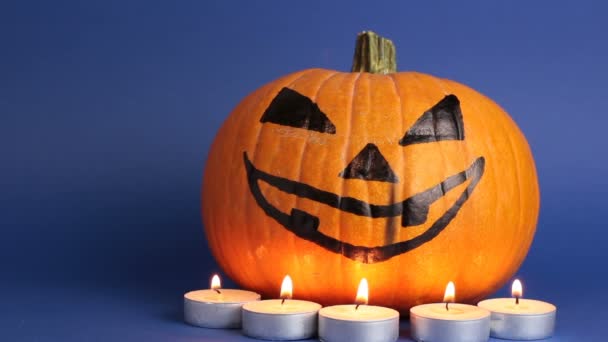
[442,122]
[290,108]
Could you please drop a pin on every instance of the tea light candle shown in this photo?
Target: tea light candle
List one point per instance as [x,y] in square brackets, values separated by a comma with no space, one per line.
[216,307]
[281,319]
[520,319]
[359,322]
[449,322]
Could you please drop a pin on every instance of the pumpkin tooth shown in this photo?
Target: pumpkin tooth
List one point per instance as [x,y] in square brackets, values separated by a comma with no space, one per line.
[303,221]
[415,211]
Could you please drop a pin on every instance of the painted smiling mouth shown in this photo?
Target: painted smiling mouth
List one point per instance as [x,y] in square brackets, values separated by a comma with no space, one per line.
[413,211]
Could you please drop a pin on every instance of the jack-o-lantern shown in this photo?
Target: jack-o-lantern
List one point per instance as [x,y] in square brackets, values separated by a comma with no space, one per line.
[406,179]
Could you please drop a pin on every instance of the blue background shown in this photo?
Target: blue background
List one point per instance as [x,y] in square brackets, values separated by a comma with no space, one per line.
[108,109]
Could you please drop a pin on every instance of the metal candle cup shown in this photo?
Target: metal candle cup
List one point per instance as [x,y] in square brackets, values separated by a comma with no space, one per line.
[367,323]
[210,309]
[461,323]
[450,322]
[358,322]
[281,319]
[528,320]
[520,319]
[276,319]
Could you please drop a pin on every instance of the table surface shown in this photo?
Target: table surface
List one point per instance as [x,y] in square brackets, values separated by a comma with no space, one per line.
[154,313]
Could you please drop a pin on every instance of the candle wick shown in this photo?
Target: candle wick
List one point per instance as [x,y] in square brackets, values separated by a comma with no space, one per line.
[217,290]
[357,306]
[283,301]
[447,308]
[516,300]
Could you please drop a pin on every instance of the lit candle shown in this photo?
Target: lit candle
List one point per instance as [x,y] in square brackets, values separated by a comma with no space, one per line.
[358,322]
[216,307]
[281,319]
[449,321]
[520,319]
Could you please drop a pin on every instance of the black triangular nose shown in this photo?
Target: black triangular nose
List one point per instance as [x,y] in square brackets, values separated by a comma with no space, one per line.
[369,164]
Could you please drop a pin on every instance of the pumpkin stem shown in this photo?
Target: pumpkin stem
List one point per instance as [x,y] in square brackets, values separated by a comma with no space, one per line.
[374,54]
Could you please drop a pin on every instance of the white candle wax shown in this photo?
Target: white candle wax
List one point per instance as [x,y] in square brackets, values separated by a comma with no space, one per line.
[367,323]
[528,320]
[277,320]
[460,323]
[210,309]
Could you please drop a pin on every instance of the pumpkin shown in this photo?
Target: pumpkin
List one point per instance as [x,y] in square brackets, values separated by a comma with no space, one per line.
[403,178]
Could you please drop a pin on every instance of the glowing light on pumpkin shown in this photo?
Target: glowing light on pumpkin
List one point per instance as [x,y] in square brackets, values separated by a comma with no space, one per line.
[215,282]
[449,295]
[517,290]
[286,288]
[362,292]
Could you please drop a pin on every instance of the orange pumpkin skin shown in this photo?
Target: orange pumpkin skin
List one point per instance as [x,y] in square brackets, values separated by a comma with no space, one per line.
[480,248]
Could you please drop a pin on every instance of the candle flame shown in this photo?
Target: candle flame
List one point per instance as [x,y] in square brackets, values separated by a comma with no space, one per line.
[450,293]
[215,282]
[516,289]
[286,288]
[362,292]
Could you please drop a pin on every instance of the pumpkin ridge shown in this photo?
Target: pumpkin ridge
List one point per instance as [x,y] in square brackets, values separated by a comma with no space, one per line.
[422,84]
[369,105]
[515,262]
[489,142]
[313,98]
[401,129]
[251,232]
[510,262]
[290,240]
[216,238]
[344,153]
[517,154]
[304,148]
[445,92]
[471,215]
[520,208]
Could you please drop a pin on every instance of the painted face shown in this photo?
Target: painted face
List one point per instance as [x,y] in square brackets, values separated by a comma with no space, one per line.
[442,121]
